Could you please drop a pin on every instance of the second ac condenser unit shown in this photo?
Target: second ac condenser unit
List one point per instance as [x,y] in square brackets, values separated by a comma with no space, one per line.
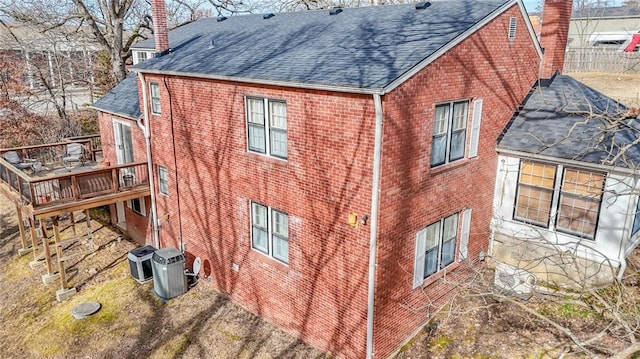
[169,279]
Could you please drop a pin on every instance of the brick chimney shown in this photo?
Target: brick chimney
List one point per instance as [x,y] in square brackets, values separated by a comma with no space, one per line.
[160,29]
[556,15]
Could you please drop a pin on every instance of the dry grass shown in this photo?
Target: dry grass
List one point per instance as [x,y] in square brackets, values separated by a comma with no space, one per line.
[132,322]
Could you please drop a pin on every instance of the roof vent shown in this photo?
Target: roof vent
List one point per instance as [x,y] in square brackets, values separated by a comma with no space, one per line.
[422,5]
[335,11]
[221,18]
[268,16]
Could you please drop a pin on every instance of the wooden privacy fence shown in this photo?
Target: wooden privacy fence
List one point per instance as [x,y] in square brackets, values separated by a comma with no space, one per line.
[601,59]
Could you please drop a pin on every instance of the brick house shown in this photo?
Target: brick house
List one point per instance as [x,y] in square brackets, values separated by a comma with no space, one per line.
[331,168]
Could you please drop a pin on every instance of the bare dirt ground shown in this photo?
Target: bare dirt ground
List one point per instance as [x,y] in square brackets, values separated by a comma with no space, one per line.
[133,322]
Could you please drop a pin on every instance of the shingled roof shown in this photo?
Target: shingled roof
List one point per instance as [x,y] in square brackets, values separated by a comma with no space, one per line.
[122,100]
[359,48]
[571,121]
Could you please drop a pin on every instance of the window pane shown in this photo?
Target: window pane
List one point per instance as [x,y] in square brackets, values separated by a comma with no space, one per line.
[278,115]
[281,249]
[450,227]
[578,215]
[534,204]
[537,174]
[431,262]
[259,215]
[439,150]
[441,122]
[582,183]
[163,178]
[460,115]
[260,240]
[432,236]
[457,145]
[279,143]
[255,111]
[280,224]
[257,138]
[448,252]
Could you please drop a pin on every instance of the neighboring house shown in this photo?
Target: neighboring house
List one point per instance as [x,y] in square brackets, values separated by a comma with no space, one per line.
[66,53]
[334,169]
[611,26]
[566,199]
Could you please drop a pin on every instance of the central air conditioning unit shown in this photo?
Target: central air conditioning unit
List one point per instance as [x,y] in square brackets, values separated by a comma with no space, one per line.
[514,280]
[140,263]
[169,279]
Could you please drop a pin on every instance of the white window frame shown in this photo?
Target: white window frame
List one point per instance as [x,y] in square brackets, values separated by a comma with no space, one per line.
[447,133]
[137,56]
[271,129]
[142,211]
[269,225]
[556,200]
[163,180]
[154,98]
[438,229]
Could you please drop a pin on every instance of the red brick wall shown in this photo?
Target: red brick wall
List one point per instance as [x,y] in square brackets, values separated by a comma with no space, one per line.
[489,66]
[138,227]
[321,294]
[556,16]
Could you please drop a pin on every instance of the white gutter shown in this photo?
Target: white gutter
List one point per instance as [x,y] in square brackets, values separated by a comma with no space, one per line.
[586,165]
[146,129]
[373,237]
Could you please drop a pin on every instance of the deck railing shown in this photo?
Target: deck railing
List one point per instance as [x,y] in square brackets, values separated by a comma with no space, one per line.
[68,185]
[52,154]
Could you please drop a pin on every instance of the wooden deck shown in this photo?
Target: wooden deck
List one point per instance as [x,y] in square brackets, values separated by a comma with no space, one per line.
[45,185]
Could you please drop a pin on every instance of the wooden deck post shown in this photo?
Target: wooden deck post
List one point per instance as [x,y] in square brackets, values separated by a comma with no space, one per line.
[73,224]
[34,238]
[86,213]
[61,270]
[45,245]
[23,234]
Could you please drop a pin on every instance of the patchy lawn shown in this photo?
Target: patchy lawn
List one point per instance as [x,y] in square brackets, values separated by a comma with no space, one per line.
[133,322]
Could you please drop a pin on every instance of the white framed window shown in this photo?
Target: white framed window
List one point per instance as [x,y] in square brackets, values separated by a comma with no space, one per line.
[163,180]
[137,206]
[574,200]
[270,232]
[154,91]
[513,24]
[436,247]
[141,56]
[267,126]
[449,132]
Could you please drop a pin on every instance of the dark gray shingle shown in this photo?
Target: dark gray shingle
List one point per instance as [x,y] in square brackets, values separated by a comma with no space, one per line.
[122,99]
[366,47]
[569,120]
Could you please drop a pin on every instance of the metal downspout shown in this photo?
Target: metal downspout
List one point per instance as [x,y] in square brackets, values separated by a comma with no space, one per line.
[375,197]
[147,138]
